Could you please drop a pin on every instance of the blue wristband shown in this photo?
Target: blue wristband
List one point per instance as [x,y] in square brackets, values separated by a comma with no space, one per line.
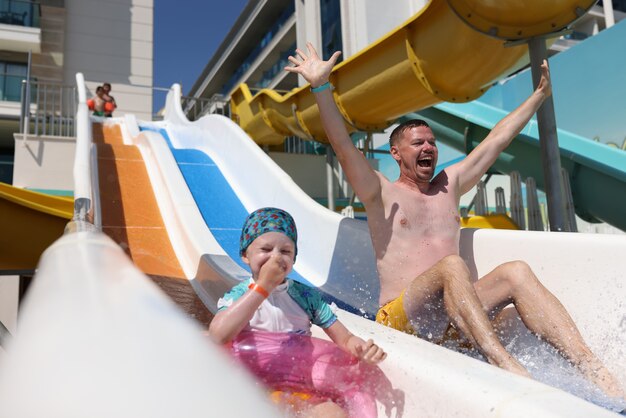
[321,88]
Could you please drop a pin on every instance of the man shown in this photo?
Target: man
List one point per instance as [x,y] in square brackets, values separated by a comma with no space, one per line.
[414,226]
[98,102]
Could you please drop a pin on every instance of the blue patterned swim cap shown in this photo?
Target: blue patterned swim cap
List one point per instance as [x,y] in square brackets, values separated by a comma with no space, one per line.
[267,220]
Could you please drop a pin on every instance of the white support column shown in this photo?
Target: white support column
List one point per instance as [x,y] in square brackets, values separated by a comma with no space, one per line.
[609,16]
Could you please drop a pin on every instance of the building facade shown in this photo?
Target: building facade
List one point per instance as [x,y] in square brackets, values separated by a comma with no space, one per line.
[255,51]
[52,40]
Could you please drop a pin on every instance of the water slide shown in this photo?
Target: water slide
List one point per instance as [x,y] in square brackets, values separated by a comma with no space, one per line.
[204,177]
[96,336]
[130,215]
[30,222]
[194,174]
[208,175]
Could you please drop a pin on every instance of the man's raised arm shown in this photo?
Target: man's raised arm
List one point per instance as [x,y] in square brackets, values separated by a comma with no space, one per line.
[472,168]
[362,177]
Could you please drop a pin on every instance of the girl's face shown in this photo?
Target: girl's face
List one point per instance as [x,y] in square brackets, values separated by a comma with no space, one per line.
[268,245]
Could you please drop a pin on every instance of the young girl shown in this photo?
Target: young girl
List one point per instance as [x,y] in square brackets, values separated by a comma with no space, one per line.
[271,302]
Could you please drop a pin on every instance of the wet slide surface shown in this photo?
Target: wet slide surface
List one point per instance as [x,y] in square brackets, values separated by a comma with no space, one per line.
[131,217]
[205,171]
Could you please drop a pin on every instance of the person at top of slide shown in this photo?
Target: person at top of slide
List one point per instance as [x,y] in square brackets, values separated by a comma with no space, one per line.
[109,105]
[96,103]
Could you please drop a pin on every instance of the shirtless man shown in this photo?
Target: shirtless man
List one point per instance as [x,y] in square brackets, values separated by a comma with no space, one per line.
[98,100]
[414,226]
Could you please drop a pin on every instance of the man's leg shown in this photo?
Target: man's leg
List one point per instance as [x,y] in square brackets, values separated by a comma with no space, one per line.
[449,281]
[544,315]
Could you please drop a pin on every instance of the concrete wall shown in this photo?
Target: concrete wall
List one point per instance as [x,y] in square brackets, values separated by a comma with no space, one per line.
[44,163]
[307,27]
[309,173]
[48,64]
[111,41]
[366,21]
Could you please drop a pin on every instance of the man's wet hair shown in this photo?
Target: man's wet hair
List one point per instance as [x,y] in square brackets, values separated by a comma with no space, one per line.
[403,127]
[99,88]
[107,85]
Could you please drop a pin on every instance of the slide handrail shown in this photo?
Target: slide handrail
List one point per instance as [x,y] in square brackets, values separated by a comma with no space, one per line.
[97,338]
[93,317]
[83,187]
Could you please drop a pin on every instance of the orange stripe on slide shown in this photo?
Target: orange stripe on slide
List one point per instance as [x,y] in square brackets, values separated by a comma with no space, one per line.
[131,217]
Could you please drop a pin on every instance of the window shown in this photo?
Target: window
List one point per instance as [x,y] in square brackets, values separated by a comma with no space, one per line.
[11,76]
[19,12]
[263,43]
[331,28]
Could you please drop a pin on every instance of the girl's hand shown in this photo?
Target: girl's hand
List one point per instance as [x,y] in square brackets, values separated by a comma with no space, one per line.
[272,273]
[366,351]
[312,68]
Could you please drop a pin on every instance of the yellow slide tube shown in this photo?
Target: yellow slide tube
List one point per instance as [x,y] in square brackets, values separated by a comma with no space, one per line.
[30,222]
[434,56]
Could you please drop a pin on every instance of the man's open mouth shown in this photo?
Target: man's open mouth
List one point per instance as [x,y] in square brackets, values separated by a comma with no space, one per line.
[426,162]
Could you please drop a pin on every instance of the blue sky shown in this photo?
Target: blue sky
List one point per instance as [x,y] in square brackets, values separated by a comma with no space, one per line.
[186,34]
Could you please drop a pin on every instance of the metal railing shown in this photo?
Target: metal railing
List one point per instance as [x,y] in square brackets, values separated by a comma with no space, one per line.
[84,198]
[48,109]
[196,107]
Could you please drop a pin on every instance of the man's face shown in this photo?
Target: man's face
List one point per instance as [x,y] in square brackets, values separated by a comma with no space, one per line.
[106,88]
[416,153]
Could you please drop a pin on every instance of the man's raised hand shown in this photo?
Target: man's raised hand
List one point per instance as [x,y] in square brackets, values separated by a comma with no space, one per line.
[312,68]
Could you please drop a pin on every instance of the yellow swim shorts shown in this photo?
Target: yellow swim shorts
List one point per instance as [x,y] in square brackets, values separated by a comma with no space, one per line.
[392,314]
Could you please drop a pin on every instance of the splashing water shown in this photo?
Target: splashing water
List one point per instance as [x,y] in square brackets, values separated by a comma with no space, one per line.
[546,365]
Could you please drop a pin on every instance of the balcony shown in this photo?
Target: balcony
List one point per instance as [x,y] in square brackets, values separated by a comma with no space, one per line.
[19,26]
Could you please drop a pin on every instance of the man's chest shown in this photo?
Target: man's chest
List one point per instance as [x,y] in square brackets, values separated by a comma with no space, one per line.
[421,208]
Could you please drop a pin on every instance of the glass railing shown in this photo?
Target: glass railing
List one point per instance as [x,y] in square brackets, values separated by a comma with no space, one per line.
[263,43]
[20,13]
[331,28]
